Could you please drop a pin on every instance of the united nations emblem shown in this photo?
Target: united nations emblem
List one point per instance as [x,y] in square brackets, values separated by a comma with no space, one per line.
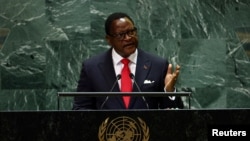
[123,129]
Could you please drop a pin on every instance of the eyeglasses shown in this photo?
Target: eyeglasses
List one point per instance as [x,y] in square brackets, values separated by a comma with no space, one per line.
[122,35]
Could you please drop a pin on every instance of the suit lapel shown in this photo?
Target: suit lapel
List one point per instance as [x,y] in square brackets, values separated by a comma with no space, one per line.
[143,66]
[107,68]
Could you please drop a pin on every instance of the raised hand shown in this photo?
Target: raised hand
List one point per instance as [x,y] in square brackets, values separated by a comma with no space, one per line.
[171,78]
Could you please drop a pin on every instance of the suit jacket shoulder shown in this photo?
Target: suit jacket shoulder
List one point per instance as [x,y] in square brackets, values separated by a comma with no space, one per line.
[149,56]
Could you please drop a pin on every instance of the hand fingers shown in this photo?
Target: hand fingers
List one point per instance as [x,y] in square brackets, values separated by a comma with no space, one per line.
[176,73]
[169,69]
[178,67]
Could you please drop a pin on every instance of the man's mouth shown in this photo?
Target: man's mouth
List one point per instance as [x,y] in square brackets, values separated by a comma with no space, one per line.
[129,45]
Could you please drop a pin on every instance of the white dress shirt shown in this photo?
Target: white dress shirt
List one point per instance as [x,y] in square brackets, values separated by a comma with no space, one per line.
[118,65]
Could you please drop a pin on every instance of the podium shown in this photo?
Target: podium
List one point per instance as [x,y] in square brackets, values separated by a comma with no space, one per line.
[147,125]
[123,125]
[138,94]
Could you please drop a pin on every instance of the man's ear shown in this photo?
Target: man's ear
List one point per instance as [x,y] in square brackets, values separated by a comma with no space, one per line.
[108,39]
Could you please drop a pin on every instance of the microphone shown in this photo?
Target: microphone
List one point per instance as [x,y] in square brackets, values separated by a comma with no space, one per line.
[137,86]
[118,77]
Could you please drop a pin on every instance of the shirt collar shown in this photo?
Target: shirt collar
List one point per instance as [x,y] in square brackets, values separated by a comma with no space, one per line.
[117,58]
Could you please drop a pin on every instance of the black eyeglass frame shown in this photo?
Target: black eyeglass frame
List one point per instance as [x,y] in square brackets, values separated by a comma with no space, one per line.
[122,35]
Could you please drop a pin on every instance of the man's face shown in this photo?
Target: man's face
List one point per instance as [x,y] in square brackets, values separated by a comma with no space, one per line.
[123,37]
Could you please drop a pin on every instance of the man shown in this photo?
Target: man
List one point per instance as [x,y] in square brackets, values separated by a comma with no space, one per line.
[144,72]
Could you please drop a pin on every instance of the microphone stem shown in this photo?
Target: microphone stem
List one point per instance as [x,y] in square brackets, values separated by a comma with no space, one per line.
[143,98]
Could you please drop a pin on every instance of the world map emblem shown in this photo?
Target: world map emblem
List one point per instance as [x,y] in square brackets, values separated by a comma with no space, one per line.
[123,129]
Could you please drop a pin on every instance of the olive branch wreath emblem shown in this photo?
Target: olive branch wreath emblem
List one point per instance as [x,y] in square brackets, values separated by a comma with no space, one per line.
[103,127]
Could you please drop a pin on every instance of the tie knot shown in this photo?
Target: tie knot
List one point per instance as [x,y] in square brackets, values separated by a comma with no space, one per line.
[125,61]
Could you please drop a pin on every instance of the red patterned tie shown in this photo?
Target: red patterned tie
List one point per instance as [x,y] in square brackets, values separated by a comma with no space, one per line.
[126,82]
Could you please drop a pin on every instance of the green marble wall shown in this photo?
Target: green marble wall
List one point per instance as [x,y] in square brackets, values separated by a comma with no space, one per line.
[43,43]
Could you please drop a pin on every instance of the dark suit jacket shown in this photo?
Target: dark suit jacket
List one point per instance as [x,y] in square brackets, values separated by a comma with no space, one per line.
[98,75]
